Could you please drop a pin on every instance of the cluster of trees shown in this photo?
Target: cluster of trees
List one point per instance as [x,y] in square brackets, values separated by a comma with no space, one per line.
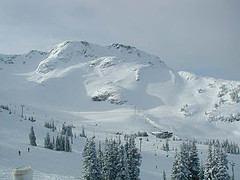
[165,146]
[223,90]
[229,147]
[142,134]
[231,118]
[217,164]
[186,163]
[50,125]
[116,161]
[234,95]
[62,143]
[67,130]
[4,107]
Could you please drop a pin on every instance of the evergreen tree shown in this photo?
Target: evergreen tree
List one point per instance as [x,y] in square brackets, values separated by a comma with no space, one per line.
[175,169]
[122,166]
[90,164]
[133,159]
[216,156]
[109,163]
[67,146]
[183,163]
[221,172]
[194,164]
[58,144]
[62,147]
[47,142]
[100,156]
[209,164]
[201,173]
[32,137]
[53,142]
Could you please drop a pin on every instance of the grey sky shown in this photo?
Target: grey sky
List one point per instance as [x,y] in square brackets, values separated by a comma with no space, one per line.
[201,36]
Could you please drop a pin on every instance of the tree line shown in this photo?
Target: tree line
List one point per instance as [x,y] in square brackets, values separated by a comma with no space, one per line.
[117,161]
[186,164]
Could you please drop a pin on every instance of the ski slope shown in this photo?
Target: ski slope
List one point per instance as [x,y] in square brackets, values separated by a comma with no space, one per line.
[108,90]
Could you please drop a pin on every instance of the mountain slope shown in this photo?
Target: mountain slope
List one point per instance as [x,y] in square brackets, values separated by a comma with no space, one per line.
[108,90]
[80,76]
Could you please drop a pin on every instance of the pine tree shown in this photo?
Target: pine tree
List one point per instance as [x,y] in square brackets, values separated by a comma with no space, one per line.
[209,164]
[216,156]
[67,146]
[47,142]
[90,165]
[58,144]
[109,163]
[122,166]
[133,159]
[53,143]
[183,163]
[201,173]
[62,147]
[221,172]
[100,156]
[194,164]
[175,169]
[32,137]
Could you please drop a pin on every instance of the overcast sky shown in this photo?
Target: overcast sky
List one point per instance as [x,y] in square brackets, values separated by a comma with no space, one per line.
[200,36]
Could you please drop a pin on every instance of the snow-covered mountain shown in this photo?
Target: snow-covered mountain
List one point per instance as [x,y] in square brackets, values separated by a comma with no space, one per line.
[118,88]
[77,75]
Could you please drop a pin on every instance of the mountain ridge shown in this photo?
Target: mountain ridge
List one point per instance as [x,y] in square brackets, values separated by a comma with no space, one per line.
[80,76]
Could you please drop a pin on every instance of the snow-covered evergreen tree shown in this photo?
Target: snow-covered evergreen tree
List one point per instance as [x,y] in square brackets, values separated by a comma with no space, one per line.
[109,161]
[122,166]
[32,137]
[90,163]
[58,144]
[201,173]
[194,164]
[209,164]
[53,143]
[47,142]
[216,156]
[183,163]
[100,156]
[133,159]
[67,145]
[175,169]
[221,172]
[62,147]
